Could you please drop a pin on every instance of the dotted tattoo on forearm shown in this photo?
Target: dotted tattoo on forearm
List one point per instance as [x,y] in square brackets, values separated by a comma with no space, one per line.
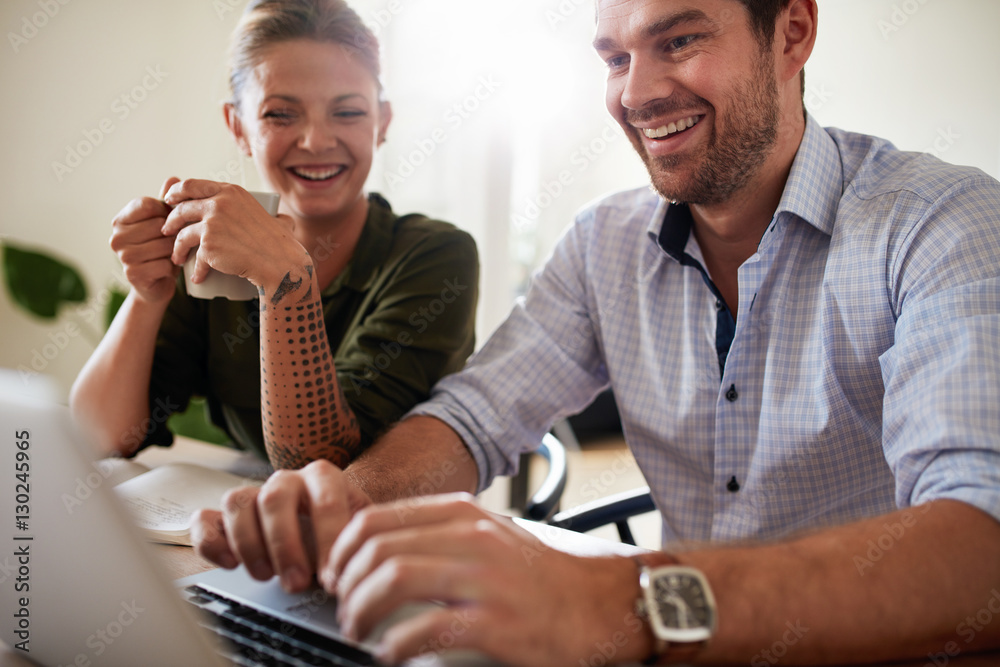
[301,420]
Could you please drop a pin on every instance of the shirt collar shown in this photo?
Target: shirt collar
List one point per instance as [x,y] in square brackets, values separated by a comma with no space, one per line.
[812,192]
[371,250]
[815,184]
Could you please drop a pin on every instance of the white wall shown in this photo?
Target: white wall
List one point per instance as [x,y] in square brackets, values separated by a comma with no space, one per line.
[527,144]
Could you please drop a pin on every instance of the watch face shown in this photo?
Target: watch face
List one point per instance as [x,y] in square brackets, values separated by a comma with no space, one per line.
[683,607]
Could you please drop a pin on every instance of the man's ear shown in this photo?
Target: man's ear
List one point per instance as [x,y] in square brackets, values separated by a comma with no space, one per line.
[384,118]
[235,126]
[795,34]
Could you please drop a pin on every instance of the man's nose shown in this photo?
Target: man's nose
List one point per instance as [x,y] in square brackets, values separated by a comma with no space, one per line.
[646,82]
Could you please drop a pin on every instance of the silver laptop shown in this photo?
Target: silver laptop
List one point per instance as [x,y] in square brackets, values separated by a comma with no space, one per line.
[79,586]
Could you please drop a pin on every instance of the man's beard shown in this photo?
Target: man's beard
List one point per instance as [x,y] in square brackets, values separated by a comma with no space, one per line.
[734,153]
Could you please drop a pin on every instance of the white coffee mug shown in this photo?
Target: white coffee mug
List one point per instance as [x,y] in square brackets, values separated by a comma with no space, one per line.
[218,284]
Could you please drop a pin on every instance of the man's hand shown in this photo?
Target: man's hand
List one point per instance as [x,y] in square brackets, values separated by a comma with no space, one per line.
[506,593]
[286,527]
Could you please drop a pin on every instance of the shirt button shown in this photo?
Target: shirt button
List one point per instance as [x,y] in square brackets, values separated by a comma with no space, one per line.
[733,486]
[719,306]
[732,394]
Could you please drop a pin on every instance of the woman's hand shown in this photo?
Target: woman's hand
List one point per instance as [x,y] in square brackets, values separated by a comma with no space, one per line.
[231,232]
[143,249]
[286,527]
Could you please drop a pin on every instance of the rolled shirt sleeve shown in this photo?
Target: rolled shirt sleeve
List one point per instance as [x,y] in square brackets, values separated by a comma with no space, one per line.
[542,364]
[942,374]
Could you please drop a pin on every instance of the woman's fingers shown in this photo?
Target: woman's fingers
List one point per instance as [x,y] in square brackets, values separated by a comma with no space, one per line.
[285,527]
[243,531]
[278,512]
[208,534]
[192,188]
[187,239]
[167,184]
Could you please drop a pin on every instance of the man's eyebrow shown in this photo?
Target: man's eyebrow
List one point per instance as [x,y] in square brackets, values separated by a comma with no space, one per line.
[668,23]
[658,27]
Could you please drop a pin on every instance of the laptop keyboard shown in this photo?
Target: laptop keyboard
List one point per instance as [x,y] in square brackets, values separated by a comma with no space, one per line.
[251,638]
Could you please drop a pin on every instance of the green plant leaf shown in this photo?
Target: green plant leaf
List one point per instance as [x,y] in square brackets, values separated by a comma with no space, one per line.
[194,423]
[114,303]
[40,283]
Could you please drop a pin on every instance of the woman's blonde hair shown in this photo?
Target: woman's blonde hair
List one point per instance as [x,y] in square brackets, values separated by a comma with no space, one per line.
[268,22]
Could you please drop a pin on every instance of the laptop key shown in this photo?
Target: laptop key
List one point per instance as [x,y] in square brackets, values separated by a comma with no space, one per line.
[265,640]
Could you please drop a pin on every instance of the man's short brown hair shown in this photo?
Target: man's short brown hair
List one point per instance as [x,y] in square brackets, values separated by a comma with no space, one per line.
[763,14]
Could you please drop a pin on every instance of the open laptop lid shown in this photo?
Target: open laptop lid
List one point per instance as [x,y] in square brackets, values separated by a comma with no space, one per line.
[77,585]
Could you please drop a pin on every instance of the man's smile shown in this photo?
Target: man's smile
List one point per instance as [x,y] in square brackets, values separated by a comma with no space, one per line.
[671,128]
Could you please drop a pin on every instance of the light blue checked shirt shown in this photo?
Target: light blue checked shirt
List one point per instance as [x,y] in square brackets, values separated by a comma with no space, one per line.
[864,373]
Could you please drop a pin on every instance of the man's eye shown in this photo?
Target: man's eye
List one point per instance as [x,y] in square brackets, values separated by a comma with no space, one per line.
[617,62]
[680,42]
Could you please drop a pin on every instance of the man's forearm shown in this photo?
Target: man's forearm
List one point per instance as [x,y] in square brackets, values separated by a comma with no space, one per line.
[417,457]
[902,585]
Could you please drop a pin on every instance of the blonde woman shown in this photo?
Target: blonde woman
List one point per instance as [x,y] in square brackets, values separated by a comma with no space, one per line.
[360,311]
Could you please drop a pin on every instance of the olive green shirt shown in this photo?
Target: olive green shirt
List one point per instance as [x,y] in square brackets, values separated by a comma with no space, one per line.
[399,317]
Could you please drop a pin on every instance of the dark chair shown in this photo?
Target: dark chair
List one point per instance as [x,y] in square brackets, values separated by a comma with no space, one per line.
[616,509]
[545,501]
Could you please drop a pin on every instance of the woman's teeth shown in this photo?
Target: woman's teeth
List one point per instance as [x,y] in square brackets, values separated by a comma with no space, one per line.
[317,174]
[672,128]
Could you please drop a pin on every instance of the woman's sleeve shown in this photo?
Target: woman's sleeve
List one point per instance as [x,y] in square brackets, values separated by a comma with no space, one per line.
[420,328]
[178,370]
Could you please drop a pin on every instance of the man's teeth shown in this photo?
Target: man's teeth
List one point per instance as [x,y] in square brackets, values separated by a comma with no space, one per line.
[317,174]
[672,128]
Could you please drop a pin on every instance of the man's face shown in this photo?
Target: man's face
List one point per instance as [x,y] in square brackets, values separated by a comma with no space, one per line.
[688,83]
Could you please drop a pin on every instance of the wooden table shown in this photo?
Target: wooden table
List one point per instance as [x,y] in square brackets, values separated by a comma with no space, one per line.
[181,561]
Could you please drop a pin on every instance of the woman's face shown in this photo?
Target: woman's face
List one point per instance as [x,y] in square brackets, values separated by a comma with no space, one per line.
[311,120]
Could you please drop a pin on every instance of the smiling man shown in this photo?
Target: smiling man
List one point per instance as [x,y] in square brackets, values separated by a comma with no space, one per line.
[800,329]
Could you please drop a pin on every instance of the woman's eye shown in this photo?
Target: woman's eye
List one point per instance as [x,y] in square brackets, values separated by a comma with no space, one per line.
[280,117]
[349,113]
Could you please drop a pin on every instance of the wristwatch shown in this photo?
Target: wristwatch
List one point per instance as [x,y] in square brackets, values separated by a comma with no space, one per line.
[678,604]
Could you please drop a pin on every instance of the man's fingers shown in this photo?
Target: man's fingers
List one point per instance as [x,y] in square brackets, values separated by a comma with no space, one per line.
[407,579]
[432,631]
[409,512]
[208,533]
[459,541]
[243,531]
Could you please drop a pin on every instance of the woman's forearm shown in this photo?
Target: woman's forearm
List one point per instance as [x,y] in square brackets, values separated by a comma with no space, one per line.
[304,413]
[111,394]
